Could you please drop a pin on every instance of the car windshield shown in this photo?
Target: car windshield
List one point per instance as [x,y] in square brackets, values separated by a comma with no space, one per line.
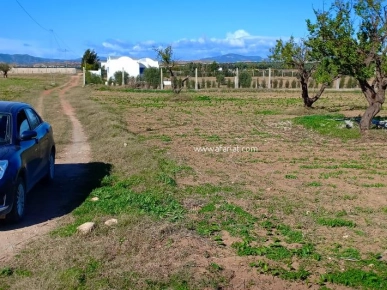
[5,128]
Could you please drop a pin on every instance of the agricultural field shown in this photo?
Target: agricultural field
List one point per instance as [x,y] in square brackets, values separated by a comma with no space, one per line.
[220,189]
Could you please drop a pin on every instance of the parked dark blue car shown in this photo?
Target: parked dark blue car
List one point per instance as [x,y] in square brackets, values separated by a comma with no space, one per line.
[27,155]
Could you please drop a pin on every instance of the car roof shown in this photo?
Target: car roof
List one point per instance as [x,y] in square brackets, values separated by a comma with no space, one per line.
[12,107]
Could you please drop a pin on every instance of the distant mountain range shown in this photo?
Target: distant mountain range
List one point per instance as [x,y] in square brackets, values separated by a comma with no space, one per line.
[231,58]
[25,59]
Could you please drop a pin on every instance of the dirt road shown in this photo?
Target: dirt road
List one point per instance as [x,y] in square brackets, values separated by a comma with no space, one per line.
[46,204]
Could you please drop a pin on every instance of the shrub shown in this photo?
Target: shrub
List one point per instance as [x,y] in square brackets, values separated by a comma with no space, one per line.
[220,79]
[287,84]
[342,82]
[111,81]
[118,77]
[152,77]
[229,83]
[92,78]
[275,84]
[294,84]
[245,80]
[352,83]
[281,83]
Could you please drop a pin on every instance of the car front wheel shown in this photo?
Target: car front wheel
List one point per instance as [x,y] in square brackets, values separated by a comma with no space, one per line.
[19,200]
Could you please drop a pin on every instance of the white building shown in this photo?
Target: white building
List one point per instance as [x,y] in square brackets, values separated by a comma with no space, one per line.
[133,67]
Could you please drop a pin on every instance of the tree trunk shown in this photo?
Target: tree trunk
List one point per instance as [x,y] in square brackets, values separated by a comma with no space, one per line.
[175,87]
[375,101]
[308,102]
[371,112]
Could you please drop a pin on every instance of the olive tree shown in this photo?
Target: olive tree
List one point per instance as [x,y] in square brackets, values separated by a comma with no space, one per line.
[165,56]
[297,55]
[5,68]
[352,35]
[245,79]
[152,77]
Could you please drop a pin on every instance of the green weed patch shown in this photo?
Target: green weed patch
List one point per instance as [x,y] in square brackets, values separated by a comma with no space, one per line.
[335,222]
[330,125]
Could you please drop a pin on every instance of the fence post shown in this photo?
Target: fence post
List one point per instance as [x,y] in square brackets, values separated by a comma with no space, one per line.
[161,79]
[123,77]
[237,79]
[269,84]
[84,76]
[196,79]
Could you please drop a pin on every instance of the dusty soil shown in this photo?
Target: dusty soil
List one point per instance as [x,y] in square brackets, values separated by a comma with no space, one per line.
[48,203]
[282,173]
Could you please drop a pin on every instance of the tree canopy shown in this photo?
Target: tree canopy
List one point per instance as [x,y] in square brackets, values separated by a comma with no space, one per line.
[165,56]
[90,60]
[352,37]
[297,55]
[5,68]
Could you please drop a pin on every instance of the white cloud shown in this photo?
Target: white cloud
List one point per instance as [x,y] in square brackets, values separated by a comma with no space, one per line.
[239,41]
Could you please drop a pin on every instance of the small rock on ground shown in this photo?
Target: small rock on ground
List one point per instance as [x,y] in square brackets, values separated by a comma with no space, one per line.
[86,228]
[111,222]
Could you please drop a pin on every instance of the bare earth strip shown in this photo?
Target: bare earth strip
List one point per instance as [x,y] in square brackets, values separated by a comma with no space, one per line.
[46,204]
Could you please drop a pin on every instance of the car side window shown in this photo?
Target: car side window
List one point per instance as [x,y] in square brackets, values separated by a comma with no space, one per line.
[22,122]
[4,128]
[33,118]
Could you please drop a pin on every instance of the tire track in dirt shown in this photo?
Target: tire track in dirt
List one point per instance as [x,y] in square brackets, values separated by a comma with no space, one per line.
[46,204]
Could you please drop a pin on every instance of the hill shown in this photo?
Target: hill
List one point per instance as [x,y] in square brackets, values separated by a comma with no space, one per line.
[25,59]
[28,60]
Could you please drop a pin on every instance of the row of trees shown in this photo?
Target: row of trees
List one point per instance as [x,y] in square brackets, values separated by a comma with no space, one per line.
[350,38]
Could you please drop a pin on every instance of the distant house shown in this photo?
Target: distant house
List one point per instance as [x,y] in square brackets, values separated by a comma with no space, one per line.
[132,66]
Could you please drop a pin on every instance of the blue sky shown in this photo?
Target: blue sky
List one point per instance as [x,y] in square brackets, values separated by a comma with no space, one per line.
[64,29]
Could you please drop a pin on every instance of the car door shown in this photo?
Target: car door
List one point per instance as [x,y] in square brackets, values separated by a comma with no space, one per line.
[29,149]
[36,124]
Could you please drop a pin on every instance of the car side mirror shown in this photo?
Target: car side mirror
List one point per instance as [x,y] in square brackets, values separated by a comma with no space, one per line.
[28,135]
